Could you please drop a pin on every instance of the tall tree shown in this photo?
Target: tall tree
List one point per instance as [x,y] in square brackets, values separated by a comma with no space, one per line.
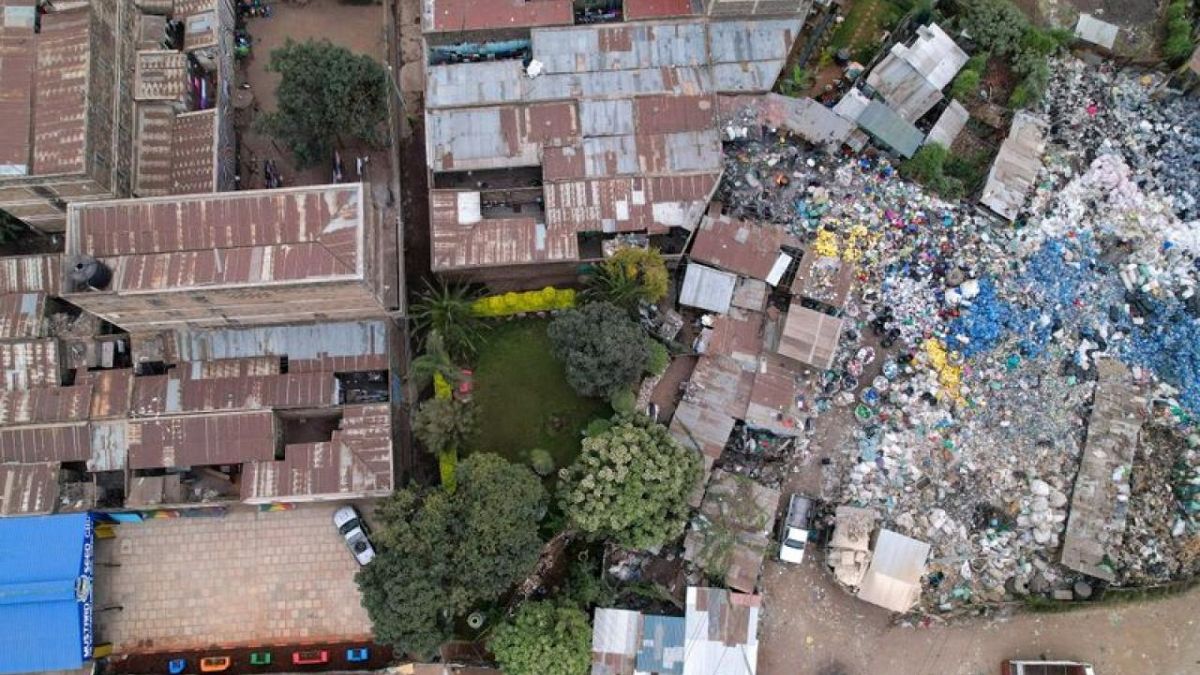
[602,349]
[629,275]
[327,94]
[435,361]
[544,639]
[631,483]
[442,554]
[444,424]
[448,310]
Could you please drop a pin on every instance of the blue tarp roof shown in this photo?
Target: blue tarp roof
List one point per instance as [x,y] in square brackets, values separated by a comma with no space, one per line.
[45,593]
[661,650]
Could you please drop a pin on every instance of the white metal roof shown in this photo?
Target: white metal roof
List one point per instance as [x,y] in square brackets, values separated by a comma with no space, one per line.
[893,580]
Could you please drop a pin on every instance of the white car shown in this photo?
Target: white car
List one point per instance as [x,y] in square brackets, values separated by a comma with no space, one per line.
[354,530]
[795,529]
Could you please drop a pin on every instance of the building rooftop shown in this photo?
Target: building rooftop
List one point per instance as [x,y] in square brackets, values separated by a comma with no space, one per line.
[707,288]
[911,77]
[745,248]
[810,337]
[949,124]
[614,125]
[1016,166]
[45,125]
[439,16]
[299,411]
[891,129]
[731,533]
[722,632]
[893,580]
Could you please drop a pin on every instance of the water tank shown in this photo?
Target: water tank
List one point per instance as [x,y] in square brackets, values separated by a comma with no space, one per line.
[87,272]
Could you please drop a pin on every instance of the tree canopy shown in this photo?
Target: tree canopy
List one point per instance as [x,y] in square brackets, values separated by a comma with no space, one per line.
[631,483]
[447,311]
[602,349]
[629,275]
[544,639]
[326,94]
[441,554]
[444,425]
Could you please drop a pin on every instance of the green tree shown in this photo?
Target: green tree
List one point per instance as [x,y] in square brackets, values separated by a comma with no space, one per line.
[448,311]
[326,94]
[631,483]
[995,25]
[1178,42]
[444,424]
[602,349]
[435,361]
[628,276]
[544,639]
[441,554]
[541,461]
[660,358]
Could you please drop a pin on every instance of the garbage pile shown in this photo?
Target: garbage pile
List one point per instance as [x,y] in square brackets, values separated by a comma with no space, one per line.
[968,363]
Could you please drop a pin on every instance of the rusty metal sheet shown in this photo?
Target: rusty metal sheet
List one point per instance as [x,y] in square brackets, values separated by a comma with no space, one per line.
[21,315]
[825,279]
[64,443]
[30,273]
[17,59]
[740,246]
[32,363]
[153,126]
[112,392]
[253,366]
[657,9]
[738,335]
[60,98]
[160,75]
[357,460]
[671,114]
[202,440]
[466,15]
[193,152]
[774,399]
[44,405]
[28,489]
[810,337]
[164,395]
[110,446]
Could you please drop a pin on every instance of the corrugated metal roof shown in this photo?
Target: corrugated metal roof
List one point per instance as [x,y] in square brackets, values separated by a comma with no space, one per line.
[891,129]
[64,443]
[184,242]
[722,632]
[466,15]
[662,648]
[824,278]
[60,99]
[810,337]
[738,335]
[31,363]
[154,125]
[949,124]
[28,489]
[45,620]
[194,152]
[893,580]
[21,315]
[160,75]
[18,55]
[328,344]
[1093,30]
[774,398]
[30,273]
[615,637]
[746,248]
[1016,166]
[203,440]
[911,77]
[707,288]
[732,531]
[657,9]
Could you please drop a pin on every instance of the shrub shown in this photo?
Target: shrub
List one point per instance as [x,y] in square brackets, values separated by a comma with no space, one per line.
[544,639]
[541,461]
[545,300]
[443,425]
[628,276]
[928,167]
[659,359]
[1178,43]
[623,401]
[966,85]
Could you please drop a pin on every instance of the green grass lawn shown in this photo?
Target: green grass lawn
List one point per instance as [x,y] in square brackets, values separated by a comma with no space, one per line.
[524,399]
[865,22]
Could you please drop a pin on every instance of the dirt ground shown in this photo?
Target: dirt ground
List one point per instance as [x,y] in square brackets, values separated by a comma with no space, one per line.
[357,27]
[1138,20]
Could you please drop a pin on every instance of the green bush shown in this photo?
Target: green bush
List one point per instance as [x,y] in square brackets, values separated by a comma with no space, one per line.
[544,639]
[659,359]
[966,85]
[596,427]
[541,461]
[928,167]
[1178,43]
[623,401]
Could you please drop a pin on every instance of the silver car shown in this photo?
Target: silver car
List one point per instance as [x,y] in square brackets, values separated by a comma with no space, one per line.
[354,530]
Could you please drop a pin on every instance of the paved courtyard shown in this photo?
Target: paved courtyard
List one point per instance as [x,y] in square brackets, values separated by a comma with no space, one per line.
[247,578]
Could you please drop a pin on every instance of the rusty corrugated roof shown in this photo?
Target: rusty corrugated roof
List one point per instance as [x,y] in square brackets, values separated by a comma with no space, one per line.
[168,394]
[60,98]
[18,55]
[30,273]
[21,315]
[160,75]
[744,247]
[657,9]
[28,489]
[44,405]
[64,443]
[193,152]
[464,15]
[223,238]
[202,440]
[30,363]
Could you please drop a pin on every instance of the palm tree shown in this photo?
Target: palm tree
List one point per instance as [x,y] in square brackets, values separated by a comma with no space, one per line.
[447,310]
[435,361]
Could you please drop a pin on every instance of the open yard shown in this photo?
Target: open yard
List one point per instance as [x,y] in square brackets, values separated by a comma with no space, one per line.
[524,399]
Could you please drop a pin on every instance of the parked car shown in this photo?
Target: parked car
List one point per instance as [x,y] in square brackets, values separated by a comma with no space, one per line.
[354,530]
[795,530]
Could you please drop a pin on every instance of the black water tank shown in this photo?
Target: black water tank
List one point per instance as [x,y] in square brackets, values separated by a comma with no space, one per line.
[87,272]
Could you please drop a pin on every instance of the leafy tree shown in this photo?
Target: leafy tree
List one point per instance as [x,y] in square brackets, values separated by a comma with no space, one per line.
[995,25]
[544,639]
[444,425]
[927,167]
[629,275]
[448,311]
[326,94]
[631,483]
[602,349]
[435,361]
[442,554]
